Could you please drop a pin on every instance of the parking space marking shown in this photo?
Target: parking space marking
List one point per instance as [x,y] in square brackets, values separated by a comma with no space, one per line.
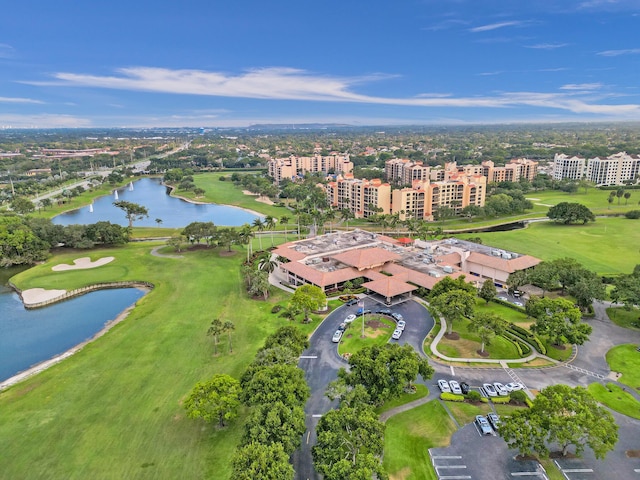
[525,474]
[578,470]
[316,415]
[637,470]
[455,477]
[453,373]
[447,457]
[308,356]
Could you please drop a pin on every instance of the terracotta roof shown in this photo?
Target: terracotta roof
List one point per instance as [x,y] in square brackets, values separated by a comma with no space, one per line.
[419,278]
[389,286]
[285,250]
[362,258]
[499,263]
[320,278]
[452,258]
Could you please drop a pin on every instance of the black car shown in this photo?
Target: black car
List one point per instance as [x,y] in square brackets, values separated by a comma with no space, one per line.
[384,311]
[464,386]
[351,302]
[342,326]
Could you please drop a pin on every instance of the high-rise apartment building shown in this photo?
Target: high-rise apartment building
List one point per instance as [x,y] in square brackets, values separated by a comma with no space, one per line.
[294,166]
[363,198]
[612,170]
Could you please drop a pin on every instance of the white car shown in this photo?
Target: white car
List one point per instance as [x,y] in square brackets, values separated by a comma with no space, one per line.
[513,387]
[337,336]
[444,386]
[401,325]
[518,304]
[489,389]
[397,333]
[500,390]
[455,387]
[350,318]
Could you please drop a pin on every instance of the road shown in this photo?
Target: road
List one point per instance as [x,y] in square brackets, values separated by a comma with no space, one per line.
[321,363]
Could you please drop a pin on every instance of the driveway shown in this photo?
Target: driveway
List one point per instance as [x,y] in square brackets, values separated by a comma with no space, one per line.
[321,363]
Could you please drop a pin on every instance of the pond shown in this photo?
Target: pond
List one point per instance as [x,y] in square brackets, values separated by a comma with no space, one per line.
[151,193]
[28,337]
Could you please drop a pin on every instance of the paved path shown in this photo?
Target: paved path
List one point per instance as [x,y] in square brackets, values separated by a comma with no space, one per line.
[156,253]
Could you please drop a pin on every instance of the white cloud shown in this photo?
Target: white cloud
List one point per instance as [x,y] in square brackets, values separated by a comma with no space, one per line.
[617,53]
[6,51]
[18,100]
[43,120]
[582,86]
[294,84]
[494,26]
[547,46]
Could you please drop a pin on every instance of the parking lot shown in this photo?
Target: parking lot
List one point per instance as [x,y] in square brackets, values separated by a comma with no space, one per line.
[474,456]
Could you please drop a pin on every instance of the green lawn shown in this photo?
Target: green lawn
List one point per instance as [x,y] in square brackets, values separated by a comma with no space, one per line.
[469,343]
[594,199]
[114,409]
[352,340]
[588,244]
[616,399]
[408,437]
[625,318]
[226,193]
[625,359]
[421,391]
[506,313]
[556,353]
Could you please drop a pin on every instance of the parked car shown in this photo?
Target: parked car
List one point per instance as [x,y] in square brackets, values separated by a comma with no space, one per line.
[362,311]
[342,326]
[494,420]
[396,334]
[401,325]
[352,302]
[464,386]
[500,390]
[455,387]
[337,336]
[518,304]
[350,318]
[483,425]
[512,387]
[444,386]
[384,311]
[488,388]
[396,316]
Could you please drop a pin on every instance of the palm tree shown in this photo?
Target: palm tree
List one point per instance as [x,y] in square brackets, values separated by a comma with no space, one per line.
[259,226]
[345,215]
[284,220]
[215,330]
[330,215]
[619,194]
[270,224]
[246,234]
[627,195]
[610,200]
[266,264]
[229,327]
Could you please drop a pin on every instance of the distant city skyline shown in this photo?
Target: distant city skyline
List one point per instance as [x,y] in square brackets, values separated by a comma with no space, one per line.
[233,64]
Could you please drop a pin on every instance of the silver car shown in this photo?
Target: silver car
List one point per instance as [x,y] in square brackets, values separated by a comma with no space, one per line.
[500,389]
[489,389]
[455,387]
[483,425]
[444,386]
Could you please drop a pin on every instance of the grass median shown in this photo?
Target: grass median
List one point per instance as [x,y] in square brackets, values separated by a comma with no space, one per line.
[114,410]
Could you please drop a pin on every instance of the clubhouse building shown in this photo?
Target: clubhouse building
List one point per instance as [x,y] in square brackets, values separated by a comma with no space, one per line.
[391,269]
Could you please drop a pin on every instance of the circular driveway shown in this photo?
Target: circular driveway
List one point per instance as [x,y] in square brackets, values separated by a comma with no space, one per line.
[321,363]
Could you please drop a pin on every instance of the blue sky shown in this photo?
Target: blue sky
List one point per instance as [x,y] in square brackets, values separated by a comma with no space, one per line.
[235,63]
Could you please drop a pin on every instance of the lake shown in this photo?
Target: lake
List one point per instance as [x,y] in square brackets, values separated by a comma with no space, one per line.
[28,337]
[150,192]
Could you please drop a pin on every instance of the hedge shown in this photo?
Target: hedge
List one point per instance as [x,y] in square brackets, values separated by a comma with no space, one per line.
[526,335]
[523,348]
[508,304]
[451,397]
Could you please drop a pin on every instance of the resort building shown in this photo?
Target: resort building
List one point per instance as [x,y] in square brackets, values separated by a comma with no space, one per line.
[362,197]
[391,269]
[294,166]
[613,170]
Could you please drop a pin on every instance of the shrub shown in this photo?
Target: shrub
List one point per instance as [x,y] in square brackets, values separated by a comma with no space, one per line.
[452,397]
[276,308]
[474,396]
[518,397]
[633,214]
[501,400]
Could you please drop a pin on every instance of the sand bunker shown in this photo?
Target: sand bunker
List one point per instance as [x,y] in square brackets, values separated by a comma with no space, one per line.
[81,263]
[266,200]
[37,295]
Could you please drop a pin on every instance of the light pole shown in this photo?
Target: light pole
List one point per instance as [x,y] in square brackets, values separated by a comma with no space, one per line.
[361,305]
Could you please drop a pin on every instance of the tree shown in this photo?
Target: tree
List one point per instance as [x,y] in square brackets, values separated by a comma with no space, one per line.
[587,288]
[486,326]
[290,337]
[471,211]
[217,399]
[488,291]
[564,416]
[454,305]
[266,462]
[46,202]
[569,213]
[228,327]
[270,224]
[215,329]
[610,201]
[447,284]
[276,423]
[259,226]
[619,194]
[349,439]
[284,220]
[567,270]
[307,298]
[627,289]
[132,211]
[627,196]
[158,221]
[176,241]
[560,320]
[544,275]
[517,279]
[274,383]
[22,205]
[384,371]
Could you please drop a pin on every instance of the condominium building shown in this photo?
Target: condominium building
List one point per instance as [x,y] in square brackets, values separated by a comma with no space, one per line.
[519,168]
[294,166]
[612,170]
[405,171]
[424,198]
[362,197]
